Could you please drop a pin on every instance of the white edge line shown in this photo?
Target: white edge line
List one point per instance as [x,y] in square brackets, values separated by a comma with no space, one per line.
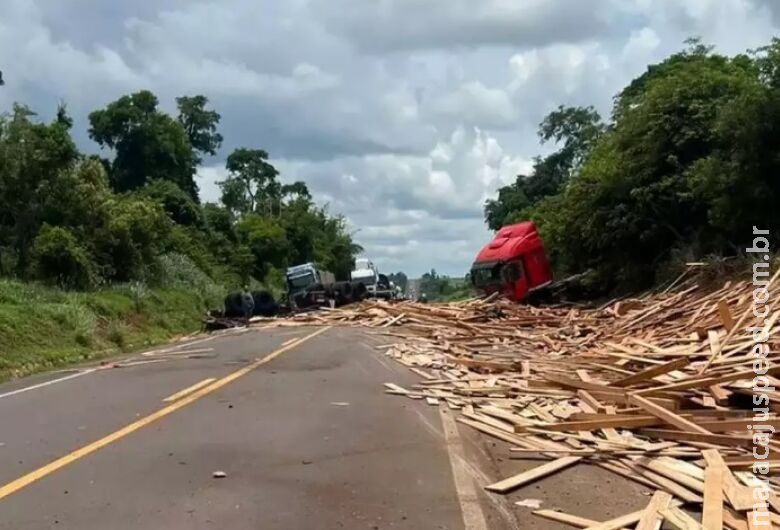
[46,383]
[374,355]
[470,508]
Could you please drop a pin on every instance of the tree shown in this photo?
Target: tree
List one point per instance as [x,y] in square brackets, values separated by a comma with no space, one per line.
[252,184]
[58,257]
[78,198]
[577,129]
[177,204]
[267,242]
[135,234]
[684,164]
[32,155]
[200,125]
[80,221]
[511,200]
[297,191]
[148,144]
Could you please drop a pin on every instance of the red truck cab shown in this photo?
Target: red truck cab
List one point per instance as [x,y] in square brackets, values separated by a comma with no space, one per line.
[513,263]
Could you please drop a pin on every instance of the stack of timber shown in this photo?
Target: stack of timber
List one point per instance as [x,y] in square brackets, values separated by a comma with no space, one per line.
[659,390]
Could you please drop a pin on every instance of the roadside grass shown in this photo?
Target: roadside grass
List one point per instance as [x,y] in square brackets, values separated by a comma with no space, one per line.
[43,328]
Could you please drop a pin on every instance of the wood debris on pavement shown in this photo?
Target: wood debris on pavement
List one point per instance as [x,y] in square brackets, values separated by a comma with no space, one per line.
[658,390]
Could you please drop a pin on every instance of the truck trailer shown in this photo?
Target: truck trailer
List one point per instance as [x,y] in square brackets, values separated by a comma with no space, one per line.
[308,285]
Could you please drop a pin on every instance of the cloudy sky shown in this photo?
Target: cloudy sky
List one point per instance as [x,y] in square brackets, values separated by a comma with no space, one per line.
[404,115]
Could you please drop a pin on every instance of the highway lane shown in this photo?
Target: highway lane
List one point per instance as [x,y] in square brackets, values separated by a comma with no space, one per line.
[296,418]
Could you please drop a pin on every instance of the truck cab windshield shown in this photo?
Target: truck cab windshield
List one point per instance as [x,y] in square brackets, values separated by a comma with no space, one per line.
[300,282]
[484,275]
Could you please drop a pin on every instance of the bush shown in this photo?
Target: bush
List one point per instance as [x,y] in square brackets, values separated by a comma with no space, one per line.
[177,203]
[135,234]
[116,333]
[58,257]
[178,271]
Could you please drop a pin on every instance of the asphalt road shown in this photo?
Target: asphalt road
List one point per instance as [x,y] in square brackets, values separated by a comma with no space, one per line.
[296,418]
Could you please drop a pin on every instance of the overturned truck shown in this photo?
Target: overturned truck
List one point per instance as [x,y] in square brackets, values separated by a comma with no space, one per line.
[308,287]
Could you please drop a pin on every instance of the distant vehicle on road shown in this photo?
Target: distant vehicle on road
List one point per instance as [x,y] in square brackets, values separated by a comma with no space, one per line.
[309,286]
[377,285]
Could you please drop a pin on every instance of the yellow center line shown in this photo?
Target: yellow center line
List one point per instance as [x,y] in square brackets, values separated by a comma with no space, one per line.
[289,341]
[190,389]
[63,461]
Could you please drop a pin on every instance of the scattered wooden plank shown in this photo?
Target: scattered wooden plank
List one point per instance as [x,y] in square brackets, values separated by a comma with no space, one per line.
[652,516]
[532,475]
[759,518]
[619,522]
[641,392]
[725,315]
[565,518]
[739,496]
[712,510]
[394,320]
[679,519]
[666,415]
[717,439]
[392,388]
[652,372]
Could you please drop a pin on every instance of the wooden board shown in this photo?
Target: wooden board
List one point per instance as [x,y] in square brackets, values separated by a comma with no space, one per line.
[532,475]
[652,516]
[712,510]
[666,415]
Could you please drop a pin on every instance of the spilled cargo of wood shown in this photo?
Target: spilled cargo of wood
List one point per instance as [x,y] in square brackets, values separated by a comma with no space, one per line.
[659,390]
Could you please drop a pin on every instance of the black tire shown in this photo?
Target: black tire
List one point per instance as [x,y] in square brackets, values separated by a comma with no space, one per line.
[268,310]
[359,292]
[302,301]
[233,307]
[343,293]
[265,305]
[262,298]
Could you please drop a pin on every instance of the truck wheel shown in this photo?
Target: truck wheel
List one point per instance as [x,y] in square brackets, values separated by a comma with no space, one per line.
[262,298]
[233,307]
[264,303]
[344,290]
[302,301]
[359,292]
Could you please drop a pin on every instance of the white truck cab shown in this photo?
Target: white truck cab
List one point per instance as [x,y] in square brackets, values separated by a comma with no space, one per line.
[366,273]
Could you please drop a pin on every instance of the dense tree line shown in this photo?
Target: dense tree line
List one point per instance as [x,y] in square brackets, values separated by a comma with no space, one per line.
[687,164]
[83,221]
[437,287]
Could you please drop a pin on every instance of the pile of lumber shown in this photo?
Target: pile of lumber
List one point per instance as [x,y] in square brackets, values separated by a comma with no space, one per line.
[658,390]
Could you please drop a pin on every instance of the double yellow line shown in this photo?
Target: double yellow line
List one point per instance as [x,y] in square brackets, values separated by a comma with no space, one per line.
[63,461]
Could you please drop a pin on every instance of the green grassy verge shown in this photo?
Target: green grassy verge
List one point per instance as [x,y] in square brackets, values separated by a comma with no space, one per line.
[43,328]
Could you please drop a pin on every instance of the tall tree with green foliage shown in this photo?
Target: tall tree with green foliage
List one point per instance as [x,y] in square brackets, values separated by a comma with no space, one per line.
[31,158]
[252,184]
[200,125]
[82,222]
[575,129]
[148,144]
